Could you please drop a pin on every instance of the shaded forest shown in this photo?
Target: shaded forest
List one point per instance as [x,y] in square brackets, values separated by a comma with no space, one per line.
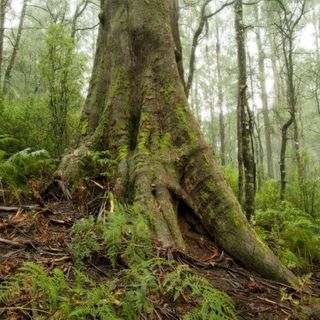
[159,159]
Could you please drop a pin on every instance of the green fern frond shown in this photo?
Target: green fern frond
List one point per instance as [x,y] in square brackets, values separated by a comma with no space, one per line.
[213,303]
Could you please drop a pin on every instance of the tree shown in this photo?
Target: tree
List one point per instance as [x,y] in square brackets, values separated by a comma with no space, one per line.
[246,163]
[264,97]
[220,98]
[12,60]
[3,12]
[204,17]
[287,27]
[137,110]
[60,69]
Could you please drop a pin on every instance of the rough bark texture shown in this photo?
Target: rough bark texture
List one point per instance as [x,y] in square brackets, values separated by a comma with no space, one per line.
[137,109]
[246,152]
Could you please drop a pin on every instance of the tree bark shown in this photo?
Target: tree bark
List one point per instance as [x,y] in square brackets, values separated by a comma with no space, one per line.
[244,125]
[15,49]
[144,121]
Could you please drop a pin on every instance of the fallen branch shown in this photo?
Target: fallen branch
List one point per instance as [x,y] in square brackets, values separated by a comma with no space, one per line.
[15,209]
[12,243]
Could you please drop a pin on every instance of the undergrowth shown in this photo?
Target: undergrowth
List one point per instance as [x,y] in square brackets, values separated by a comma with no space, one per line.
[139,285]
[124,237]
[291,232]
[133,292]
[19,168]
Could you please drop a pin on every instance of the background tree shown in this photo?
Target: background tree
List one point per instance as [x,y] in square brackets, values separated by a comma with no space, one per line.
[61,69]
[287,24]
[246,162]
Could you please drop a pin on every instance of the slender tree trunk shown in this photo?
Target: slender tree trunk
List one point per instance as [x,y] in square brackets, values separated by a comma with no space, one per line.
[291,100]
[256,130]
[145,123]
[195,41]
[244,125]
[316,25]
[196,100]
[12,60]
[264,98]
[80,8]
[211,130]
[220,98]
[3,11]
[287,30]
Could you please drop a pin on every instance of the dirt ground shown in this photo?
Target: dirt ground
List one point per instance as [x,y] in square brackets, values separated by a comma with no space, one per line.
[41,234]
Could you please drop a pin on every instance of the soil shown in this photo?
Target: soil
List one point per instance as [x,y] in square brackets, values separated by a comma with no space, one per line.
[41,234]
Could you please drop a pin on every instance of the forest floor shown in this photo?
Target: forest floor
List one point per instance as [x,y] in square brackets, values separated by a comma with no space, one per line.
[42,234]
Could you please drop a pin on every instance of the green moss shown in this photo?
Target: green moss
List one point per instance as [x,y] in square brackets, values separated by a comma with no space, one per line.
[167,93]
[165,142]
[144,134]
[84,126]
[123,152]
[181,112]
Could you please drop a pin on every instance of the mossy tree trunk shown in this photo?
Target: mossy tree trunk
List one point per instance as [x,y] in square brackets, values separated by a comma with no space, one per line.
[137,109]
[246,162]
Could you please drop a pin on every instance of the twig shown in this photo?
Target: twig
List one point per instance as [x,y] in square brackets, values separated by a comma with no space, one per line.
[12,243]
[14,209]
[274,303]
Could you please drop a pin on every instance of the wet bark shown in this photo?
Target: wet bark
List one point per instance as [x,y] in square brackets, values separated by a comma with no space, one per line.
[141,115]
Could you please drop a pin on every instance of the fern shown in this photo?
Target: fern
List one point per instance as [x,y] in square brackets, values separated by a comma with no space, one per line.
[214,304]
[55,295]
[293,234]
[126,234]
[84,240]
[23,165]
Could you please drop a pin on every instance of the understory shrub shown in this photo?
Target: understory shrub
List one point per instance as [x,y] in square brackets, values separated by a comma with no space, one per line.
[292,233]
[19,168]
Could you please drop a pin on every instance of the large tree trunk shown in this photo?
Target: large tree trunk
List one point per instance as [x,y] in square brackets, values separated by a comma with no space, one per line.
[137,109]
